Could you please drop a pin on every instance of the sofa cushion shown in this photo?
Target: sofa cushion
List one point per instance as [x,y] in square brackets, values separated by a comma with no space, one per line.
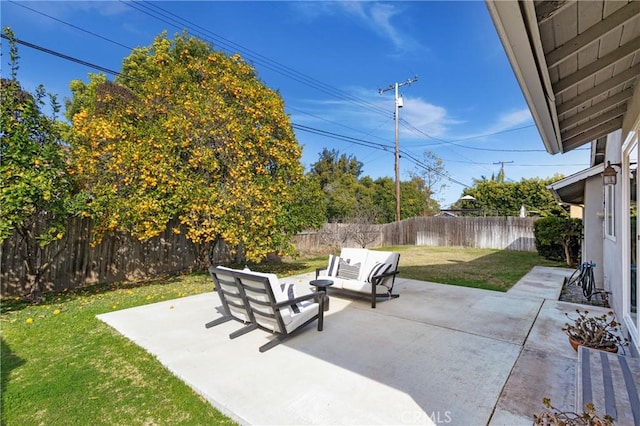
[347,270]
[363,287]
[374,257]
[332,267]
[378,269]
[291,292]
[354,255]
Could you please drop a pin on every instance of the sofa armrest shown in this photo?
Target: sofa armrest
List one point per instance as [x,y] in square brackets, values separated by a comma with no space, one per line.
[317,295]
[376,279]
[318,270]
[289,302]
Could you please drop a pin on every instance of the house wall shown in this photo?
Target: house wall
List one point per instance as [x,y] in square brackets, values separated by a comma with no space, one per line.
[612,247]
[633,112]
[576,211]
[592,220]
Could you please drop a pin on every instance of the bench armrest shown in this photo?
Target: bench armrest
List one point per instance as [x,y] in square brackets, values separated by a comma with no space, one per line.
[318,295]
[318,270]
[298,299]
[376,279]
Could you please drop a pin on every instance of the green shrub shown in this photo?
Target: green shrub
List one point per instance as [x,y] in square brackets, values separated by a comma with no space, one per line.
[559,238]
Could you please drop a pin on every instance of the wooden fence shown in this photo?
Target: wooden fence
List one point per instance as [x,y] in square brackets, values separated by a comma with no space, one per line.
[121,257]
[508,233]
[118,257]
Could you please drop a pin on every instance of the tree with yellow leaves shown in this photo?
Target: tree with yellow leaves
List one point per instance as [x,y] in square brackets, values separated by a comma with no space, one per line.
[187,132]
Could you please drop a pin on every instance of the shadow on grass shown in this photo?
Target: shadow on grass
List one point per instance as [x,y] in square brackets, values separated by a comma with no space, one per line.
[10,361]
[284,268]
[57,297]
[288,267]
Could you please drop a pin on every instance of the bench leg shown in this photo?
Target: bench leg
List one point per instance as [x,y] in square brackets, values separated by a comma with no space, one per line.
[374,298]
[321,313]
[218,321]
[243,330]
[272,344]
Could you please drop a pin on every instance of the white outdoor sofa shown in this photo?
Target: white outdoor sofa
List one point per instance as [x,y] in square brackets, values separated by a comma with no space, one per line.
[362,271]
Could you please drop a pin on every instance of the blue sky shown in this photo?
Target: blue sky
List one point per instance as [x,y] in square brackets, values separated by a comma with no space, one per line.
[328,60]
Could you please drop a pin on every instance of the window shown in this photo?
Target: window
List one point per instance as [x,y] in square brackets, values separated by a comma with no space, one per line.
[610,211]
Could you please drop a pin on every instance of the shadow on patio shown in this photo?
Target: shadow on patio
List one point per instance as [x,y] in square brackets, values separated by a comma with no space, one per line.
[438,354]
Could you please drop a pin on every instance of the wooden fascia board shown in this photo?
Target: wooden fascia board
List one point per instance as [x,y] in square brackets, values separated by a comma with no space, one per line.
[546,10]
[510,23]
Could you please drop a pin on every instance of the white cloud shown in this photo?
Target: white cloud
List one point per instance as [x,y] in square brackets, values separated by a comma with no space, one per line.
[510,120]
[430,119]
[503,123]
[378,17]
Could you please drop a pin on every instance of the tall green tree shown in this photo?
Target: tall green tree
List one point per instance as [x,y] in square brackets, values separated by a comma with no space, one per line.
[36,190]
[497,198]
[385,199]
[414,199]
[350,198]
[191,133]
[331,165]
[338,176]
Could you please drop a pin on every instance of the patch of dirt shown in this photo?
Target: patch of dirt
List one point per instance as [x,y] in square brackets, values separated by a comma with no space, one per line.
[573,293]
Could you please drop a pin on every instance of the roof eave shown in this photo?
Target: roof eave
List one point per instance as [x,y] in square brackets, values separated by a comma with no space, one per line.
[511,24]
[578,178]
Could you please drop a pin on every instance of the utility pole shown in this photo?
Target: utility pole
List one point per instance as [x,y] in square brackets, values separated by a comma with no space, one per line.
[502,163]
[398,105]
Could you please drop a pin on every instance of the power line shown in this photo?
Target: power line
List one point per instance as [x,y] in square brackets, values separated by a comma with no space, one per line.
[431,169]
[456,141]
[178,22]
[451,142]
[377,146]
[345,138]
[340,124]
[518,164]
[270,64]
[71,25]
[336,136]
[226,45]
[68,58]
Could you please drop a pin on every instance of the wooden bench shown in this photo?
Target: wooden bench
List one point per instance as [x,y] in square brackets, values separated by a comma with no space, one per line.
[611,382]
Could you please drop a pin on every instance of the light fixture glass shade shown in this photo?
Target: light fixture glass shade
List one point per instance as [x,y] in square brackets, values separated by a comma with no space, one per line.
[609,175]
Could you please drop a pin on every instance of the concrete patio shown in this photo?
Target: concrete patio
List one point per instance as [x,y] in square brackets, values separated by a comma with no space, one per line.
[439,354]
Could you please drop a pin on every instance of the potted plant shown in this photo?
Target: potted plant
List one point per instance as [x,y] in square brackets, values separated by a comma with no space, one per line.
[597,332]
[552,416]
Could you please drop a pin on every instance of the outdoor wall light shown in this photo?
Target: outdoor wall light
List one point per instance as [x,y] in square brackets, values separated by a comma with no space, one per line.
[609,175]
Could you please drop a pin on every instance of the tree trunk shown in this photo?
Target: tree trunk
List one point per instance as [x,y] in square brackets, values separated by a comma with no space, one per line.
[567,254]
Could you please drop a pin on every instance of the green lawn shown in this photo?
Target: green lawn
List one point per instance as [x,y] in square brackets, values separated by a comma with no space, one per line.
[481,268]
[61,366]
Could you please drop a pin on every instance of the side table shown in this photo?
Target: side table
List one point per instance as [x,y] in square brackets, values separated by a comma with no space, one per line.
[321,285]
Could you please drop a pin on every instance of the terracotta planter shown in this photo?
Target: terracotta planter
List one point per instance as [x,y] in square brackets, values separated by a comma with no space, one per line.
[575,343]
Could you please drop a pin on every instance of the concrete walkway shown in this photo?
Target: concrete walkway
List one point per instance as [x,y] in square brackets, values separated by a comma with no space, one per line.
[439,354]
